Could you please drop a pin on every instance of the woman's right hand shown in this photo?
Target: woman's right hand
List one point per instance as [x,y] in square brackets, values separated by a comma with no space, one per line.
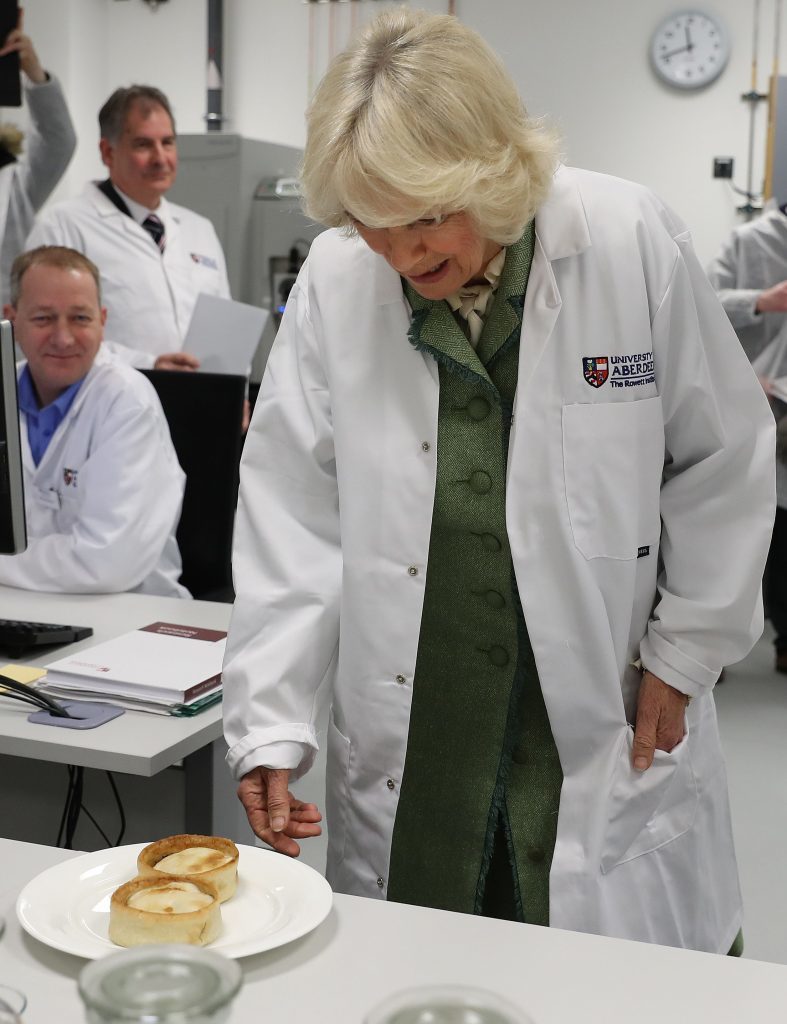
[275,815]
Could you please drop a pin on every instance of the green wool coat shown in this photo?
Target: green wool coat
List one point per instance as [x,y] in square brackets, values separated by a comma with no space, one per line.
[480,751]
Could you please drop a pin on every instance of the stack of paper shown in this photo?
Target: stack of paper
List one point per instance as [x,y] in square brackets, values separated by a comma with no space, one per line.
[164,668]
[224,334]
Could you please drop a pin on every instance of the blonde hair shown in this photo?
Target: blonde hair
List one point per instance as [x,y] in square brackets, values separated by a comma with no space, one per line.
[418,118]
[11,138]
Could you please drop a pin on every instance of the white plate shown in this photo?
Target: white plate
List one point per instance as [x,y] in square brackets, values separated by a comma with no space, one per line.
[278,900]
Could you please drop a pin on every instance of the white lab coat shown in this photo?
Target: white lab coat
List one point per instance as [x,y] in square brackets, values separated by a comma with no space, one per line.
[337,486]
[103,504]
[752,259]
[149,296]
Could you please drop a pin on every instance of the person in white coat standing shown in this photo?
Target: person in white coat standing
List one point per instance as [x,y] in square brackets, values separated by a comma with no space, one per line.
[103,488]
[28,178]
[155,257]
[750,278]
[505,500]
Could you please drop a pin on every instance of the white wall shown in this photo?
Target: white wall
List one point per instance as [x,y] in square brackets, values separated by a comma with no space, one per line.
[586,66]
[70,36]
[583,64]
[94,46]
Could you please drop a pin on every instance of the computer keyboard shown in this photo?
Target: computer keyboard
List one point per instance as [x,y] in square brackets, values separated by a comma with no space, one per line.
[16,638]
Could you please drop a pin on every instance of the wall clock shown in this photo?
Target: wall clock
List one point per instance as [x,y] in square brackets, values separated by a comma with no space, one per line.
[689,49]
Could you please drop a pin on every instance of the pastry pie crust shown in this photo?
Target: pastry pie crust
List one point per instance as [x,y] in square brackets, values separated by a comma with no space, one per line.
[135,926]
[224,877]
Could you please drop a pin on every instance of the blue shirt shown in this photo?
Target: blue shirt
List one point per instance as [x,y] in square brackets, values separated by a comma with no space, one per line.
[42,423]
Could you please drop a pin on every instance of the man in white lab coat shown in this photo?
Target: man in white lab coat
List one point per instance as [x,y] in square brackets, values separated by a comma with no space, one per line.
[103,488]
[154,257]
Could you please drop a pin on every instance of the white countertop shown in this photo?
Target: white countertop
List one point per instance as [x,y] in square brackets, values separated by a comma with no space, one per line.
[136,743]
[366,949]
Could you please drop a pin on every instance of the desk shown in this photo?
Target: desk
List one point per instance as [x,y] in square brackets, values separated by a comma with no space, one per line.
[135,743]
[366,949]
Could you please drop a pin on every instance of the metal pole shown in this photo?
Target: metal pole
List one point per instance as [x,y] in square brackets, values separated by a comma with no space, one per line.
[214,116]
[768,189]
[752,104]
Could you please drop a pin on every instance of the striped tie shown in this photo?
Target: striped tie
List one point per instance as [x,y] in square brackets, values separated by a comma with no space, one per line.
[155,228]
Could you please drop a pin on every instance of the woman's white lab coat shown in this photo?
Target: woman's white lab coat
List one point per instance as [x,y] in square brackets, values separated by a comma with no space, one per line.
[639,511]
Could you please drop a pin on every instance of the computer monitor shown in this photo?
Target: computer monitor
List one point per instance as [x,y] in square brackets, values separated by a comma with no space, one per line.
[13,531]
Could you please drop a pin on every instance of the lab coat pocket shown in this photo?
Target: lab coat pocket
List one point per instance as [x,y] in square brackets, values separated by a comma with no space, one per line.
[613,459]
[339,751]
[71,507]
[47,498]
[648,809]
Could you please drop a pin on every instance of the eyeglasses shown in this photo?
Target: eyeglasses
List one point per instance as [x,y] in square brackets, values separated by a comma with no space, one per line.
[425,225]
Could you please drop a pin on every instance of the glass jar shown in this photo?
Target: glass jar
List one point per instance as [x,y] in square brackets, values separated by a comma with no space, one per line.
[174,984]
[12,1005]
[447,1004]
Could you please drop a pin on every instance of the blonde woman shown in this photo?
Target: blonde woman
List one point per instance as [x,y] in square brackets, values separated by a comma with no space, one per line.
[494,381]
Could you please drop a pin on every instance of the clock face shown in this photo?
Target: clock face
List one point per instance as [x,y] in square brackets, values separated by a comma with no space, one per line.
[689,49]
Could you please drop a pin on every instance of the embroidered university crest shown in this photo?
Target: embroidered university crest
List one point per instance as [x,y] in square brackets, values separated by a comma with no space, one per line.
[70,477]
[595,370]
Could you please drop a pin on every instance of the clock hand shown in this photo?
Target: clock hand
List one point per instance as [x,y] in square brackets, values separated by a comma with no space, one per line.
[689,44]
[682,49]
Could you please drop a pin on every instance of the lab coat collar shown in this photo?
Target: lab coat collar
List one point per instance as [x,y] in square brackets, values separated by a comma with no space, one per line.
[106,209]
[561,222]
[102,358]
[103,207]
[137,210]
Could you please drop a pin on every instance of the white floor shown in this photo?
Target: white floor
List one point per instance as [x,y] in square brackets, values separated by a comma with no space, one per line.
[752,708]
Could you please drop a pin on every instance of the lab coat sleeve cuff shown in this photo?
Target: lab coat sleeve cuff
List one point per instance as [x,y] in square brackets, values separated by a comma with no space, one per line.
[741,307]
[292,746]
[674,667]
[30,86]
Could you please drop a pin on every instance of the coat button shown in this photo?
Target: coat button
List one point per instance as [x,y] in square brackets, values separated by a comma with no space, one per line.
[498,656]
[490,542]
[412,571]
[494,599]
[519,755]
[535,854]
[478,408]
[425,446]
[480,482]
[390,783]
[380,883]
[401,679]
